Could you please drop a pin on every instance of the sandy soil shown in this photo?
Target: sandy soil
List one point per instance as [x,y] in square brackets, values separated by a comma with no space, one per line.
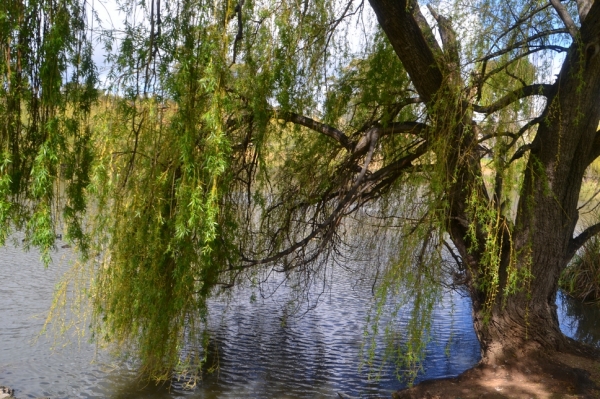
[548,376]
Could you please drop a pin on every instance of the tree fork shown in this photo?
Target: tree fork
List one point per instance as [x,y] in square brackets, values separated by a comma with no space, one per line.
[543,232]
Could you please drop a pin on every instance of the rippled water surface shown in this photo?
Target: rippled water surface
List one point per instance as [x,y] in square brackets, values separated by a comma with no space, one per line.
[262,352]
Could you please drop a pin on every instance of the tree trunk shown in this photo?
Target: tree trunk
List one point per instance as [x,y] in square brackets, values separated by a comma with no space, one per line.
[547,213]
[522,314]
[518,324]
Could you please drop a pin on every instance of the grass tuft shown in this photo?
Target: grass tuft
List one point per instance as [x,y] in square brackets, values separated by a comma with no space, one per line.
[581,279]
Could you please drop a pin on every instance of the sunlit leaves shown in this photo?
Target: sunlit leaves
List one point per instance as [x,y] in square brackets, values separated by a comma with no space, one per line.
[191,177]
[47,88]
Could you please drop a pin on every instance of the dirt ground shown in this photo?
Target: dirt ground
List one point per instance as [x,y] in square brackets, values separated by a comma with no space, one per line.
[549,376]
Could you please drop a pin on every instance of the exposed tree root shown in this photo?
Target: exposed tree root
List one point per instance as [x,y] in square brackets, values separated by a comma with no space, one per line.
[571,373]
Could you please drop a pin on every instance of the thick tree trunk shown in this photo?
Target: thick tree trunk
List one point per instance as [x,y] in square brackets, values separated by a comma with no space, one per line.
[517,325]
[547,212]
[522,315]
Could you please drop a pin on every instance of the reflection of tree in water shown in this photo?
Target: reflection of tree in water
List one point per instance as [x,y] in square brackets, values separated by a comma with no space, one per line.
[583,319]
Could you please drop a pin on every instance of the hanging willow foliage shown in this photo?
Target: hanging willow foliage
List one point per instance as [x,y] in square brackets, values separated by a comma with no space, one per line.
[239,136]
[47,89]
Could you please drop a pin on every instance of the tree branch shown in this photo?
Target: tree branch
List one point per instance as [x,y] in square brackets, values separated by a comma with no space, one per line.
[531,146]
[518,22]
[357,148]
[595,152]
[395,167]
[396,108]
[333,217]
[392,128]
[447,35]
[583,6]
[532,50]
[319,127]
[531,90]
[240,33]
[494,135]
[521,43]
[582,238]
[564,15]
[398,21]
[403,127]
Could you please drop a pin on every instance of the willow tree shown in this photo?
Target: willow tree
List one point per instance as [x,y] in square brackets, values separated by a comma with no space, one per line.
[239,136]
[47,88]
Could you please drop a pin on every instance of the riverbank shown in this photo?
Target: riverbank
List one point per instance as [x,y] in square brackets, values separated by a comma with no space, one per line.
[546,376]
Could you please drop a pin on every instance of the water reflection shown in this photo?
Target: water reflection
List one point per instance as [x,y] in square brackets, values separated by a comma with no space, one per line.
[580,321]
[263,350]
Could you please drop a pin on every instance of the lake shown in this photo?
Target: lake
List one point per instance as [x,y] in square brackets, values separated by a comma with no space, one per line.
[262,351]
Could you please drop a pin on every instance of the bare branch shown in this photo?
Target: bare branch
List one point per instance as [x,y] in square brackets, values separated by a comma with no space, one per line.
[564,15]
[357,148]
[312,124]
[494,135]
[392,128]
[582,238]
[591,199]
[403,127]
[532,50]
[333,217]
[516,45]
[518,22]
[531,146]
[532,90]
[447,34]
[399,165]
[396,108]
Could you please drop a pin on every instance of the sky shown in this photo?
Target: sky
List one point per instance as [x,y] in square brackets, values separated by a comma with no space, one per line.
[108,16]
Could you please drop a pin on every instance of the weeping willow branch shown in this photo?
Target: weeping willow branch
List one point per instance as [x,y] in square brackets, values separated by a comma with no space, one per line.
[323,128]
[361,146]
[517,24]
[532,50]
[531,90]
[366,186]
[327,224]
[564,15]
[582,238]
[496,135]
[240,32]
[526,147]
[522,43]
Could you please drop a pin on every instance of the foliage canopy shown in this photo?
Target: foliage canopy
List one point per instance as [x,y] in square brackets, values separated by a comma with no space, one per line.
[232,136]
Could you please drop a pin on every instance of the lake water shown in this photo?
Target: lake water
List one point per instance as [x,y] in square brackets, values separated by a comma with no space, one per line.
[259,356]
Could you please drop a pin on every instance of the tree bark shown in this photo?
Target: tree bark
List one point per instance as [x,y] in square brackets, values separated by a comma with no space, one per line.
[522,316]
[547,211]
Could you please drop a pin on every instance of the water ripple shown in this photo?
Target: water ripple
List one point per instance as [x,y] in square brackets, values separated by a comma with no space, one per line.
[264,349]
